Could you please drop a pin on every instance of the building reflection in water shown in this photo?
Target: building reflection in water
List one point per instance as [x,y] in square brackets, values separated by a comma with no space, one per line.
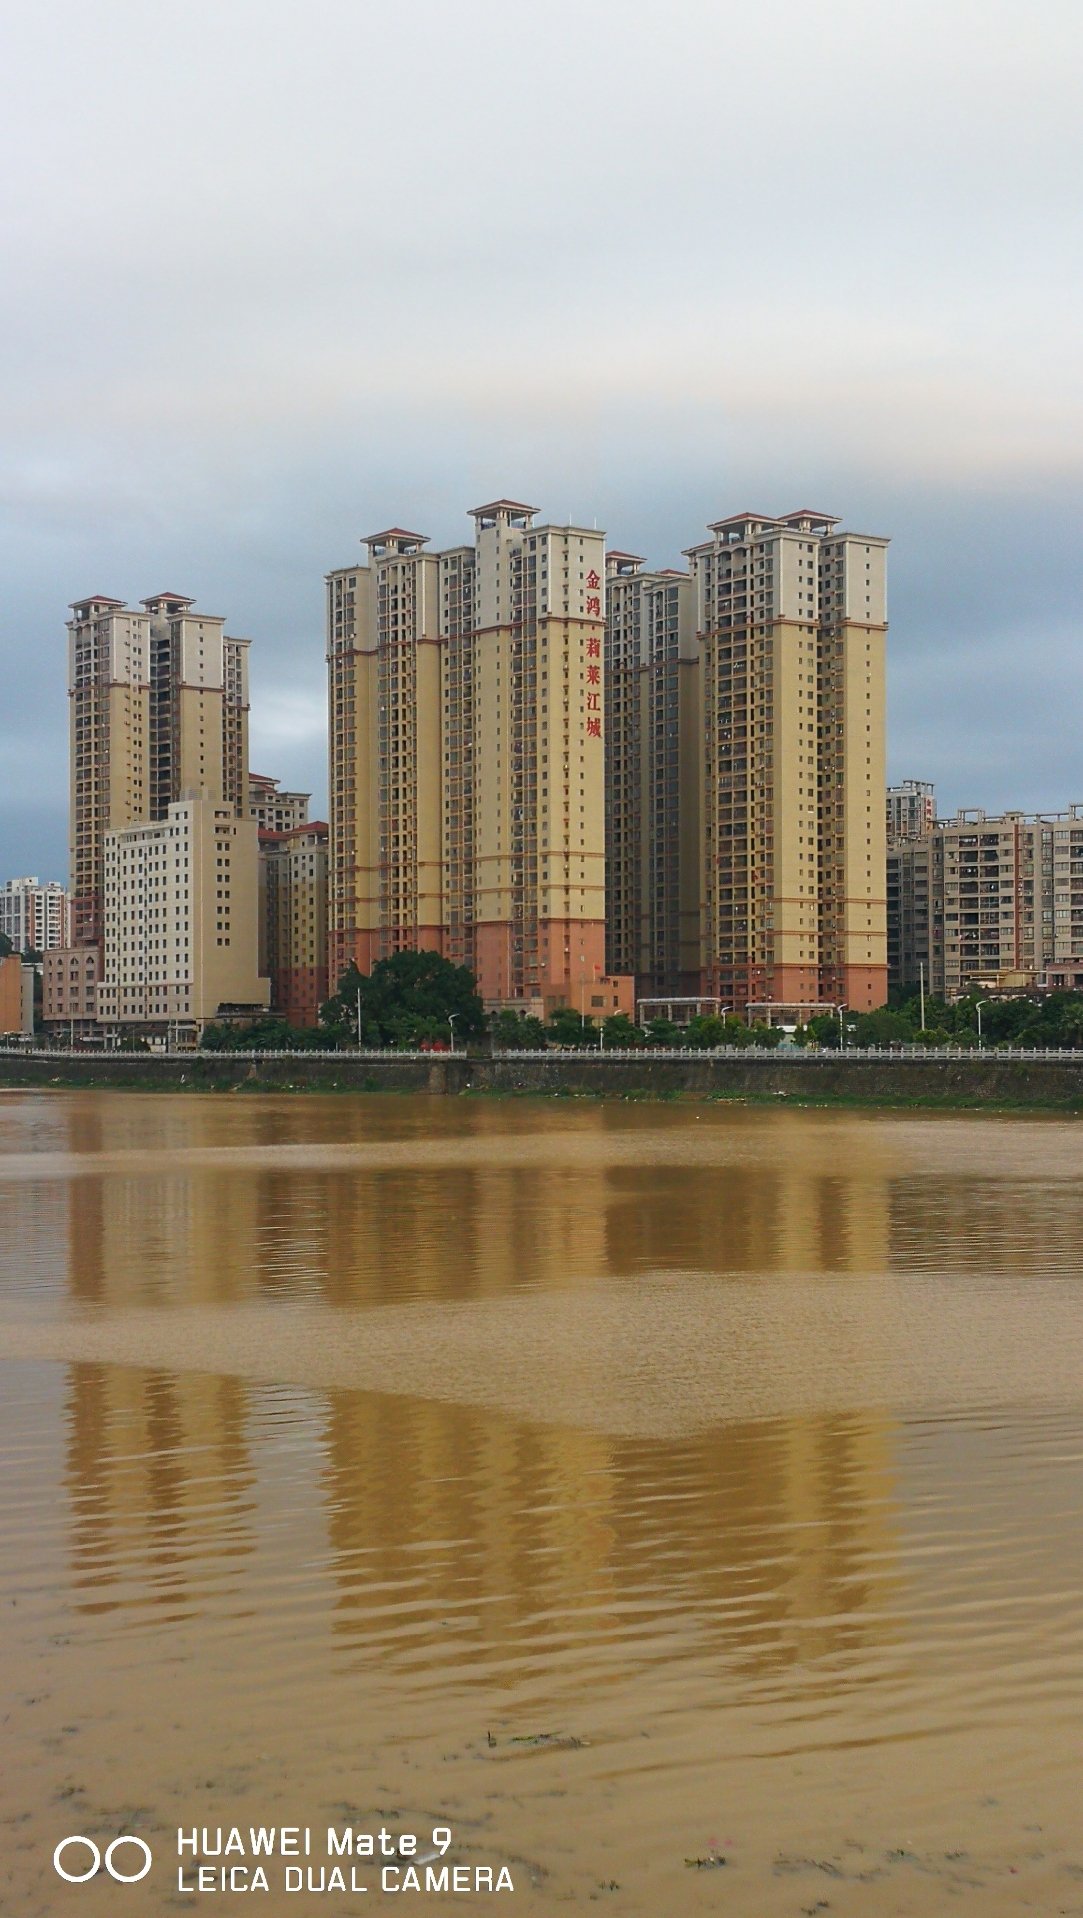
[769,1542]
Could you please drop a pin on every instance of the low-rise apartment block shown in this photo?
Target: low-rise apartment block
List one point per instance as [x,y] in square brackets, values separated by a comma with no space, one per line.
[181,922]
[70,978]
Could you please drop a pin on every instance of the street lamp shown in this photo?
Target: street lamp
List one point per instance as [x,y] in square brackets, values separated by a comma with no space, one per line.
[451,1018]
[358,1018]
[978,1004]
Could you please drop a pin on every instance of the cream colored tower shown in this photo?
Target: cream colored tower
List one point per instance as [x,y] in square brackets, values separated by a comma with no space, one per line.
[467,775]
[792,617]
[159,707]
[109,690]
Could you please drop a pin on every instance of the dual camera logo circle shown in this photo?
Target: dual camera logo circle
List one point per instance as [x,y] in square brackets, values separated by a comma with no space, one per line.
[97,1862]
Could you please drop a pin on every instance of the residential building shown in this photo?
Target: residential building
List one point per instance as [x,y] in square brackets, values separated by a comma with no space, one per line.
[181,921]
[911,810]
[467,810]
[35,917]
[983,899]
[792,617]
[16,997]
[69,990]
[653,736]
[159,707]
[272,810]
[293,919]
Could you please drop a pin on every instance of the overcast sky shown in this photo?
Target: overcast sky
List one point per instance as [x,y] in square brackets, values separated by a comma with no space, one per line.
[274,275]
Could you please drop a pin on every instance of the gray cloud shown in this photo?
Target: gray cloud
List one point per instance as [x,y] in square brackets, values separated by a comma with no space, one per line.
[272,274]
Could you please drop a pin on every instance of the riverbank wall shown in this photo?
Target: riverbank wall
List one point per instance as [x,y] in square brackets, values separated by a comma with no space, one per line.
[1037,1081]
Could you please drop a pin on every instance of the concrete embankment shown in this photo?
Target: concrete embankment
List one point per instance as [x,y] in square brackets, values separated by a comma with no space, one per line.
[1002,1081]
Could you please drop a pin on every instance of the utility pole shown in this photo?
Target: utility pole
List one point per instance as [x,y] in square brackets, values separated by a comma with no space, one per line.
[359,1018]
[922,966]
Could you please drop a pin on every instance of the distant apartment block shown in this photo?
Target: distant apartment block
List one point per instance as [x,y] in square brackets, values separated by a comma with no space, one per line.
[35,917]
[467,807]
[911,810]
[272,809]
[983,899]
[293,919]
[180,921]
[159,708]
[791,616]
[654,760]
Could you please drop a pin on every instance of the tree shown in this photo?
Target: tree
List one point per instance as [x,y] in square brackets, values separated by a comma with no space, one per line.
[619,1030]
[411,996]
[706,1030]
[516,1032]
[566,1028]
[663,1032]
[269,1034]
[823,1030]
[882,1028]
[6,947]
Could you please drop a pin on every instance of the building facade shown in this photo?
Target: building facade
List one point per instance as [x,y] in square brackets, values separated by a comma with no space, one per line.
[987,900]
[911,810]
[16,998]
[159,707]
[293,919]
[69,990]
[273,810]
[467,808]
[35,917]
[792,618]
[653,746]
[181,921]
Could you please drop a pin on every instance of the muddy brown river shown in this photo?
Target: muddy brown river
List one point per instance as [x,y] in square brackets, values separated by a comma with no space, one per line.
[675,1509]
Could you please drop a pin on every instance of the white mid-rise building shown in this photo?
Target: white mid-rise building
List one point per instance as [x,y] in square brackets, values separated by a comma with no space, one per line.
[180,920]
[35,917]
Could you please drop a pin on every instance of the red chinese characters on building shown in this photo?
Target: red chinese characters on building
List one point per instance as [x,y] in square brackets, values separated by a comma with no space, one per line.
[594,653]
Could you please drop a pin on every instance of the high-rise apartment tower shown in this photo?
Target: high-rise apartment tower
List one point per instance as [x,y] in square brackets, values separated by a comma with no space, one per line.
[791,616]
[159,709]
[654,755]
[466,737]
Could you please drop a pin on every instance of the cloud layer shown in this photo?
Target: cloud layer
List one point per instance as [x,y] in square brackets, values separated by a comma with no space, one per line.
[272,274]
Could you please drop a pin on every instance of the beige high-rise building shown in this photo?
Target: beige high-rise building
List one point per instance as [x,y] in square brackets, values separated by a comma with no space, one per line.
[654,754]
[181,921]
[158,716]
[159,708]
[792,617]
[467,779]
